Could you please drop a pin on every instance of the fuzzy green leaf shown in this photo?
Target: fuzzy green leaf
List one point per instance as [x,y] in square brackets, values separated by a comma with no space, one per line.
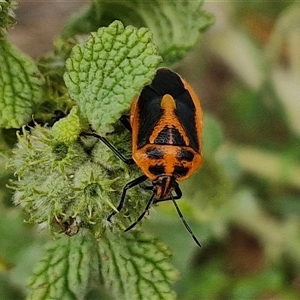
[132,266]
[105,74]
[20,86]
[66,270]
[7,15]
[176,25]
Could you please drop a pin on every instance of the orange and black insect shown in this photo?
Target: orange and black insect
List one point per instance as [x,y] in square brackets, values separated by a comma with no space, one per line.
[166,125]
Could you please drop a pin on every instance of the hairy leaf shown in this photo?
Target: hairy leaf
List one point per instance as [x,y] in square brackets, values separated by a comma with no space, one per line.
[135,267]
[20,86]
[131,266]
[105,74]
[66,270]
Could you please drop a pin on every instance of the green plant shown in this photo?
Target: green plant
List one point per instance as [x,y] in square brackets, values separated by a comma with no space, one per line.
[70,182]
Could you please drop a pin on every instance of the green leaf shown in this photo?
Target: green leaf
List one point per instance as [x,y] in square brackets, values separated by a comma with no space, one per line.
[7,15]
[176,25]
[134,267]
[66,270]
[131,266]
[20,86]
[105,74]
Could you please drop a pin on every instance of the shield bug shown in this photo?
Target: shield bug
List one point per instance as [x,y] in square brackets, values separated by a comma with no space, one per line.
[166,125]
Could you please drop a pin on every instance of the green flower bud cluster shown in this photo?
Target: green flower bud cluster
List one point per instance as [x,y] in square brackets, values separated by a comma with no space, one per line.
[71,181]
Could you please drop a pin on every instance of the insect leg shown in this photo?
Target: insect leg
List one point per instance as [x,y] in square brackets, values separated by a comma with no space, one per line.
[142,215]
[128,186]
[128,161]
[125,121]
[147,187]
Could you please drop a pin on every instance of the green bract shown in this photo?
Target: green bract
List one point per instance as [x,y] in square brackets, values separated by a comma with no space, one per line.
[68,129]
[105,74]
[20,86]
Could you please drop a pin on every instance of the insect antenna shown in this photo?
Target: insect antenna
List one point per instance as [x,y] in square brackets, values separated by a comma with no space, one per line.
[187,226]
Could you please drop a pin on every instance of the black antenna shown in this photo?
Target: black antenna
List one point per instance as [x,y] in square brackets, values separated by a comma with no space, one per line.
[187,226]
[150,201]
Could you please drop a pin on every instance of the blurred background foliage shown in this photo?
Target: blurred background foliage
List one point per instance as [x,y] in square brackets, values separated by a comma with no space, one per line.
[244,203]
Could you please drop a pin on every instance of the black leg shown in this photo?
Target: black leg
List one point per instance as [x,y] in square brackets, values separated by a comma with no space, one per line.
[178,196]
[128,186]
[147,187]
[125,121]
[142,215]
[128,161]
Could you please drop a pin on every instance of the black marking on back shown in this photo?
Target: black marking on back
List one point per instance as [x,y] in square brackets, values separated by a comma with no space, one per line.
[154,153]
[149,110]
[149,113]
[157,169]
[186,113]
[184,154]
[170,136]
[180,171]
[167,82]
